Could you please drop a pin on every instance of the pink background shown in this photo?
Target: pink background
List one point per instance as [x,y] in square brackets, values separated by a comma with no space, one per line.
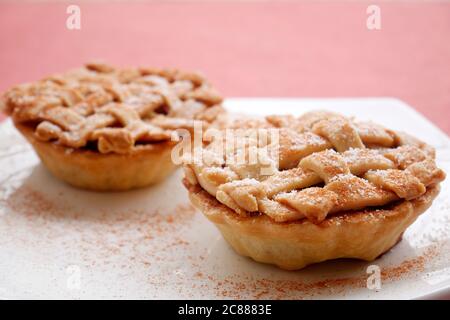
[268,49]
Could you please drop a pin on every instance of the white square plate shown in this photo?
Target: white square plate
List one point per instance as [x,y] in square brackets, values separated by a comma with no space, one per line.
[60,242]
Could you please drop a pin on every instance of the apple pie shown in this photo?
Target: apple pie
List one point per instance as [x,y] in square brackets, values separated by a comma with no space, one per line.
[324,187]
[105,128]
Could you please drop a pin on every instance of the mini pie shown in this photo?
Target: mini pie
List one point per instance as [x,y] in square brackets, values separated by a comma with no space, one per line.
[104,128]
[333,187]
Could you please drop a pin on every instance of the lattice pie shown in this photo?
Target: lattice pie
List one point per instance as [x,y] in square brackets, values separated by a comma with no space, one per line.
[105,128]
[332,187]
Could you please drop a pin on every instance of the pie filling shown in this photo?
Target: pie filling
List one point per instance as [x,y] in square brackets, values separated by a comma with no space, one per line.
[113,110]
[322,163]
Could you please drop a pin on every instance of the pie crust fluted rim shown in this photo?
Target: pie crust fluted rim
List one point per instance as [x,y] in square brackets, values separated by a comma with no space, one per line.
[362,234]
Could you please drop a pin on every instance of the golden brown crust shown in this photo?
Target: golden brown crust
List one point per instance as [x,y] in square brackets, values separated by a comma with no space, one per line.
[91,170]
[281,176]
[105,128]
[112,108]
[342,189]
[364,234]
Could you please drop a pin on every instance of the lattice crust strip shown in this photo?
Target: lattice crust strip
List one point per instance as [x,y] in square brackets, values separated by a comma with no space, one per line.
[327,164]
[117,108]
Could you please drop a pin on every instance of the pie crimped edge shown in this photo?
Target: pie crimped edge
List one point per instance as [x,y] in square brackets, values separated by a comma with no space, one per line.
[91,170]
[295,245]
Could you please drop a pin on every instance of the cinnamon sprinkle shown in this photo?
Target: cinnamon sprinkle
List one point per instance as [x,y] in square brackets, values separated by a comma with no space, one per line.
[135,242]
[243,287]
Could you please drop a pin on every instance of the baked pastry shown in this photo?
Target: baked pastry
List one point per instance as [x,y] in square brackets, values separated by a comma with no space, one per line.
[104,128]
[332,187]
